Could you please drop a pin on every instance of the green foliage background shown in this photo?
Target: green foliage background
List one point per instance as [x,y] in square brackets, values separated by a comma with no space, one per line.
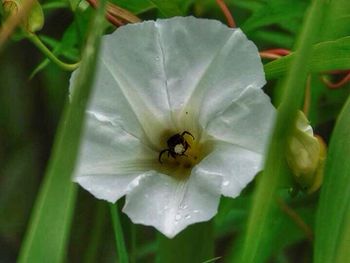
[44,217]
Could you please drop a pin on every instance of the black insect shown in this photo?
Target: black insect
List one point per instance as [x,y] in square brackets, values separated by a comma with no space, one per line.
[177,145]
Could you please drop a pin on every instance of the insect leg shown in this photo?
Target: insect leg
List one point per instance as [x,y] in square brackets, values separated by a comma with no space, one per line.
[161,153]
[188,133]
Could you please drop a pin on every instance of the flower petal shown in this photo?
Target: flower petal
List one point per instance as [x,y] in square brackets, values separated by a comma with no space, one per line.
[237,166]
[207,65]
[247,122]
[110,159]
[157,74]
[171,205]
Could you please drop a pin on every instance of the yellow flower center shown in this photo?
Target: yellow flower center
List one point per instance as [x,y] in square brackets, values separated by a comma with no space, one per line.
[181,151]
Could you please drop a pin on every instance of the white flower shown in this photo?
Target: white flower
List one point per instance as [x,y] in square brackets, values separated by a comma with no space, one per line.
[158,79]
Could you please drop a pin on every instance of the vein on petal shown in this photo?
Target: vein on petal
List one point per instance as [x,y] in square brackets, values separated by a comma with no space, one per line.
[108,121]
[115,167]
[162,57]
[146,127]
[194,96]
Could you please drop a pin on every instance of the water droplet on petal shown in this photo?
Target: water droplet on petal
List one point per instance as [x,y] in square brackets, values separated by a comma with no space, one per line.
[183,206]
[226,183]
[187,216]
[177,217]
[196,211]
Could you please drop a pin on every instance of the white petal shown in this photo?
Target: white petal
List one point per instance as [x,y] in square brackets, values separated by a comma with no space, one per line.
[171,205]
[237,166]
[110,159]
[173,74]
[133,57]
[207,65]
[247,122]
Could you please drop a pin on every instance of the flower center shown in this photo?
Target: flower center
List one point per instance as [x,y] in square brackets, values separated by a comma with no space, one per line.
[182,152]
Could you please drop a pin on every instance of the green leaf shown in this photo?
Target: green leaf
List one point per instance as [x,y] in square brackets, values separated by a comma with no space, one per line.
[74,4]
[134,6]
[169,8]
[258,239]
[325,56]
[282,13]
[47,235]
[333,217]
[336,24]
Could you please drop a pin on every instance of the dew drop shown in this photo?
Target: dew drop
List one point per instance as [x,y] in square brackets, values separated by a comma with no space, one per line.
[226,183]
[183,206]
[196,211]
[177,217]
[187,216]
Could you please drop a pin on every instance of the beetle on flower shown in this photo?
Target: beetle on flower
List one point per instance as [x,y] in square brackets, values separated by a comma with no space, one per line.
[177,118]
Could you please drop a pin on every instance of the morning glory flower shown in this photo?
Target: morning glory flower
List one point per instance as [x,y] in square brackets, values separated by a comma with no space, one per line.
[177,118]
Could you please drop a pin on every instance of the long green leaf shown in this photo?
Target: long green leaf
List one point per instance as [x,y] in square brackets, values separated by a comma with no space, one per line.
[333,218]
[325,56]
[47,235]
[258,241]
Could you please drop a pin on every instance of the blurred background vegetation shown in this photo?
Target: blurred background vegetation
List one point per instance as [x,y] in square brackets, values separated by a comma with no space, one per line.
[33,91]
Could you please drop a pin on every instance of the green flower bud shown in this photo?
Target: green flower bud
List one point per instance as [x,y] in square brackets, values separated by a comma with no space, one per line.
[305,155]
[10,8]
[33,22]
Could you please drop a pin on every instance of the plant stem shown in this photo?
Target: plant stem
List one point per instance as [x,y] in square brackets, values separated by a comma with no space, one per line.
[118,233]
[41,46]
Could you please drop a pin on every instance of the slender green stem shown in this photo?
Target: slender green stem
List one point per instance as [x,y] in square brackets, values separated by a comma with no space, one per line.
[118,233]
[133,244]
[41,46]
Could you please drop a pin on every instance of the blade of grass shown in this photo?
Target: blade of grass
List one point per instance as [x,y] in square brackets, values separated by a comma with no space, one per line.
[119,236]
[47,235]
[257,242]
[325,56]
[333,216]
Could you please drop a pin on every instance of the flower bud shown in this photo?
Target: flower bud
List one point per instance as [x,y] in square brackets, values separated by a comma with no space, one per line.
[33,22]
[10,8]
[305,155]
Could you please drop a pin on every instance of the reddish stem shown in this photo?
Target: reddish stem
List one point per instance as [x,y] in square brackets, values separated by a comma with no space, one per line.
[113,20]
[227,13]
[278,51]
[267,55]
[274,53]
[338,84]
